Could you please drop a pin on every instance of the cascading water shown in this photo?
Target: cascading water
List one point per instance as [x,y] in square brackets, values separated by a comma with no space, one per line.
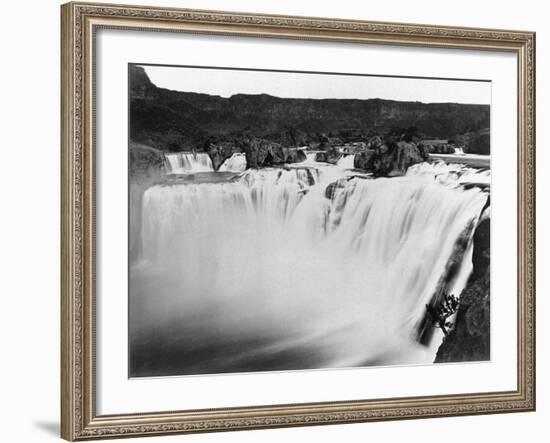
[459,151]
[272,266]
[347,161]
[453,174]
[311,156]
[235,163]
[187,162]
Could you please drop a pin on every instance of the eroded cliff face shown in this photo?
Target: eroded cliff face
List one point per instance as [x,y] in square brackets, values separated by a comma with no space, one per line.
[176,121]
[470,338]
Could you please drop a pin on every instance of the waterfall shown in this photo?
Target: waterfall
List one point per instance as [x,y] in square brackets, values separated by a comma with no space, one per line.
[343,280]
[311,156]
[186,162]
[347,161]
[235,163]
[453,174]
[459,151]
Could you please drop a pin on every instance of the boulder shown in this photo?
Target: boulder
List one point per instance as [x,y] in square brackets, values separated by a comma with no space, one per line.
[365,160]
[321,157]
[394,160]
[332,154]
[294,155]
[219,152]
[260,153]
[375,142]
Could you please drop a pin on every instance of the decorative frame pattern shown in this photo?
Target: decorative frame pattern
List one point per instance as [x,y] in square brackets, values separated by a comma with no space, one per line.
[79,23]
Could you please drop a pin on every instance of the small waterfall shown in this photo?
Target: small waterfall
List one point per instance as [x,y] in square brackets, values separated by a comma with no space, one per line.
[347,161]
[344,279]
[452,174]
[235,163]
[459,151]
[311,156]
[187,162]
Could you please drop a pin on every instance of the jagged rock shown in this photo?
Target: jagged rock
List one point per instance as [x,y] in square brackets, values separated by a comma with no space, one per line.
[470,338]
[260,152]
[332,154]
[404,155]
[365,160]
[375,142]
[321,157]
[394,159]
[482,240]
[219,152]
[293,155]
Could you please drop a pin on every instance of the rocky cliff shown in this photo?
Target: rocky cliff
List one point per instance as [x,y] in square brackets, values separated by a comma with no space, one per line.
[175,121]
[470,338]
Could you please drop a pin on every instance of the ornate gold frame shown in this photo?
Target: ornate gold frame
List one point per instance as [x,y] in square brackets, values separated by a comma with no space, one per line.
[79,420]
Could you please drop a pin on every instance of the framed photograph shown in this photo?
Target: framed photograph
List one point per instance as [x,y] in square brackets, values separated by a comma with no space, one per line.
[282,221]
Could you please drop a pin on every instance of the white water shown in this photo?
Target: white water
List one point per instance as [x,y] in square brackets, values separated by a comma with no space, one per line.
[186,162]
[270,257]
[235,163]
[347,161]
[459,151]
[311,156]
[453,174]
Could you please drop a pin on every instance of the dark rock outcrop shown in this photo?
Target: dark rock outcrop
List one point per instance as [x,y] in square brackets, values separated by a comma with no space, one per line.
[374,142]
[219,152]
[390,160]
[404,155]
[470,338]
[260,152]
[365,160]
[321,157]
[332,154]
[293,155]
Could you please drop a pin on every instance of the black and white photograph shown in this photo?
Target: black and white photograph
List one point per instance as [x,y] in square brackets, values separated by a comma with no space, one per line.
[285,220]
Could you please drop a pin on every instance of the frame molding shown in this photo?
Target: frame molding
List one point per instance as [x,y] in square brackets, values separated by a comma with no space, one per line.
[79,21]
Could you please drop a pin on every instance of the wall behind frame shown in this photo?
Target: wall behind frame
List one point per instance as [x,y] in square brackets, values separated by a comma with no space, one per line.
[29,225]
